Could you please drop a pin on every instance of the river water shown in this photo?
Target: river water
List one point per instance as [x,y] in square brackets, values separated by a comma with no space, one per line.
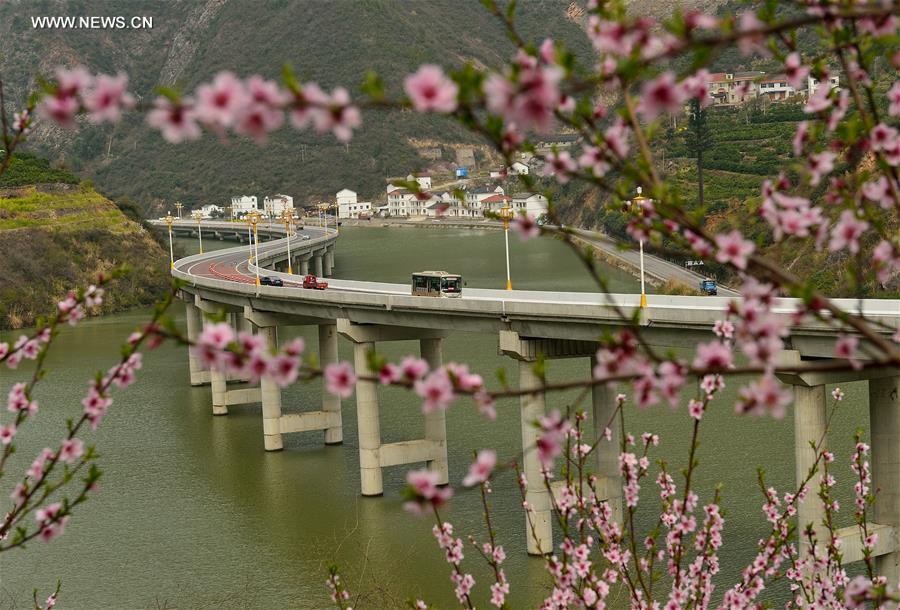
[193,513]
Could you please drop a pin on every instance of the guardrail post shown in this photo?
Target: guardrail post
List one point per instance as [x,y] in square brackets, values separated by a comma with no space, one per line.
[884,418]
[435,422]
[368,423]
[328,354]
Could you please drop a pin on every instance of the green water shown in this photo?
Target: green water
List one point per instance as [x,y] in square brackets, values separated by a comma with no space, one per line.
[193,513]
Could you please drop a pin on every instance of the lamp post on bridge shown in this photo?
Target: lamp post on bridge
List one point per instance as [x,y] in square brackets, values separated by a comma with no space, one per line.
[169,220]
[506,213]
[253,218]
[178,206]
[198,216]
[639,202]
[288,219]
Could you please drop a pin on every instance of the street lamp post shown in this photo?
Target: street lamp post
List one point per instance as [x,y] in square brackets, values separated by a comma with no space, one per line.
[254,219]
[288,219]
[639,202]
[249,235]
[169,220]
[198,216]
[178,206]
[506,213]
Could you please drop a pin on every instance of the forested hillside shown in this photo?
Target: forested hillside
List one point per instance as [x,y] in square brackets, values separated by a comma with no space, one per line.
[333,43]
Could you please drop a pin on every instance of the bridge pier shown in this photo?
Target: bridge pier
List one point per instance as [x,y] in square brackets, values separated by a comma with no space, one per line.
[810,423]
[275,423]
[303,263]
[539,522]
[317,264]
[194,325]
[373,454]
[329,260]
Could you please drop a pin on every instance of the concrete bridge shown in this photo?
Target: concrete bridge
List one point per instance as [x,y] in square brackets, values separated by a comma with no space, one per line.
[529,325]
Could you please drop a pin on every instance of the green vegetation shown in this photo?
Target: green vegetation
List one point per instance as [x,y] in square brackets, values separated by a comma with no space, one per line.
[29,169]
[55,237]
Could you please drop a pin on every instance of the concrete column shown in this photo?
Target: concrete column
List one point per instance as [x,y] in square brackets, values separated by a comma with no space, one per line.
[329,256]
[193,331]
[368,424]
[317,264]
[304,266]
[809,426]
[884,414]
[217,384]
[328,354]
[539,529]
[326,264]
[609,480]
[271,400]
[435,422]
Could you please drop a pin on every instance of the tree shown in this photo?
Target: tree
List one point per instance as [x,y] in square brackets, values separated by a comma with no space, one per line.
[699,138]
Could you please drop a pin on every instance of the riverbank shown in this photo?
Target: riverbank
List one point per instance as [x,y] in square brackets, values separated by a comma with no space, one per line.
[58,236]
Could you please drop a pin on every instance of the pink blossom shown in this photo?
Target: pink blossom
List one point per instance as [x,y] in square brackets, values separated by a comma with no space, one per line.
[819,100]
[886,261]
[801,136]
[462,378]
[837,394]
[71,450]
[339,116]
[308,102]
[660,96]
[340,379]
[561,165]
[893,95]
[696,19]
[295,347]
[795,71]
[436,389]
[697,86]
[723,329]
[765,395]
[695,409]
[413,368]
[877,191]
[712,355]
[107,97]
[430,89]
[882,137]
[526,226]
[531,100]
[7,433]
[820,165]
[734,249]
[221,102]
[616,138]
[176,120]
[480,470]
[846,233]
[752,40]
[389,373]
[284,369]
[424,488]
[486,405]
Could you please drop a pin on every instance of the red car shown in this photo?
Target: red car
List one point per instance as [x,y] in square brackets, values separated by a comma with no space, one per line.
[311,281]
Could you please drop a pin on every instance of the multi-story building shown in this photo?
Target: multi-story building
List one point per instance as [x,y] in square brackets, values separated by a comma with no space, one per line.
[475,198]
[776,88]
[533,204]
[243,205]
[813,83]
[211,210]
[349,207]
[276,206]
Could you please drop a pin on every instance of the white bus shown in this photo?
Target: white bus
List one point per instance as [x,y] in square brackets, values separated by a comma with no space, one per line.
[436,284]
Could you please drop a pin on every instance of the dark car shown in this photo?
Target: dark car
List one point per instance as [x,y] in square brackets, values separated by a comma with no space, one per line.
[271,281]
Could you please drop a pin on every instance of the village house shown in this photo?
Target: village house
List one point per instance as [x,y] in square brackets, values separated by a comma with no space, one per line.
[475,198]
[211,210]
[518,169]
[275,206]
[424,180]
[776,88]
[532,204]
[243,205]
[349,207]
